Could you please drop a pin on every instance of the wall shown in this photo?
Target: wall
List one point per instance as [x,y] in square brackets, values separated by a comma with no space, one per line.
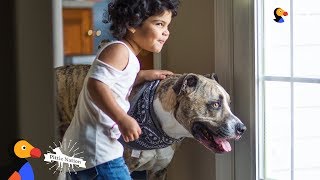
[27,79]
[8,127]
[190,48]
[34,62]
[98,11]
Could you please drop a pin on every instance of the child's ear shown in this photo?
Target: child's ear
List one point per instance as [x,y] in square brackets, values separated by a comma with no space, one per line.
[132,30]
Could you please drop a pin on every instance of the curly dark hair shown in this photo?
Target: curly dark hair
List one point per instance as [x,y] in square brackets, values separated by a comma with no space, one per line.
[132,13]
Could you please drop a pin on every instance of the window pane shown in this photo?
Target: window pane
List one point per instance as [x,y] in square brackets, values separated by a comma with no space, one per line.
[277,61]
[306,53]
[277,131]
[306,22]
[276,40]
[306,131]
[307,61]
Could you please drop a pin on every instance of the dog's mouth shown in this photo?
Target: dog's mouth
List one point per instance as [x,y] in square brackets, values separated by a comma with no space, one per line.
[208,138]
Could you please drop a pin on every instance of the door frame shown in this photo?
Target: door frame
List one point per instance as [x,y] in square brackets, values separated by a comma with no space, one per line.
[235,65]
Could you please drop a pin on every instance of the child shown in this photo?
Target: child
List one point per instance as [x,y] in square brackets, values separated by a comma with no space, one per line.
[101,113]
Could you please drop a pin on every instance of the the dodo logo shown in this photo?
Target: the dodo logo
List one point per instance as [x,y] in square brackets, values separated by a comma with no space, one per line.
[20,168]
[278,14]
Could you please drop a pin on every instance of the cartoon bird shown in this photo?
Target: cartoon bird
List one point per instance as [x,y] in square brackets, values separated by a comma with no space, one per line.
[278,13]
[21,168]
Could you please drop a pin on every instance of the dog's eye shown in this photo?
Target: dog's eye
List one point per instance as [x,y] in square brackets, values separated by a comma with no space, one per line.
[214,105]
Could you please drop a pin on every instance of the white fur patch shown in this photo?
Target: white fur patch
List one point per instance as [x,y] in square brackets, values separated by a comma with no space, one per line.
[168,123]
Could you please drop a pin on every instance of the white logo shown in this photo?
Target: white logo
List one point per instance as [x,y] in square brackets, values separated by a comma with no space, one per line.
[59,159]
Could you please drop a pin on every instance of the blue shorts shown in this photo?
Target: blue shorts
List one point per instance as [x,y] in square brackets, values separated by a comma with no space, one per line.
[111,170]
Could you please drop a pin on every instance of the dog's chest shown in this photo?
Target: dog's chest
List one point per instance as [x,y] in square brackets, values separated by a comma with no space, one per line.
[141,109]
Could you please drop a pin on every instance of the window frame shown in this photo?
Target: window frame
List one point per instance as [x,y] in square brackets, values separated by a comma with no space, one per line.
[235,55]
[262,79]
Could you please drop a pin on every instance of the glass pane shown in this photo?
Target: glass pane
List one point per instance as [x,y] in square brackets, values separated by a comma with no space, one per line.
[277,131]
[306,131]
[306,22]
[277,61]
[276,40]
[307,61]
[306,52]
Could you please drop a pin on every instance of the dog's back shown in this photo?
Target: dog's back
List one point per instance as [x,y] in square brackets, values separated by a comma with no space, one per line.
[69,81]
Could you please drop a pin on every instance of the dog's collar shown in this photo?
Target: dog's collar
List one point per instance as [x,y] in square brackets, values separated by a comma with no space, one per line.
[141,109]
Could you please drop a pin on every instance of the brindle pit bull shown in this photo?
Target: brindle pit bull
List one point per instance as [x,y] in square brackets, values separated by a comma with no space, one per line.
[187,105]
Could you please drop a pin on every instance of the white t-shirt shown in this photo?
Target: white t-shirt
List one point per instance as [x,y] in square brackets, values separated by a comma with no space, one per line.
[94,132]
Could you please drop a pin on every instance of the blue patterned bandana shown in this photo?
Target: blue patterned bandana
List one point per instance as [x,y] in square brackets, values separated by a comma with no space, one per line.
[141,109]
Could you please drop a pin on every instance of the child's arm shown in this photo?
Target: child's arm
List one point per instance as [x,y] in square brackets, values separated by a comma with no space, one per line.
[102,96]
[150,75]
[115,55]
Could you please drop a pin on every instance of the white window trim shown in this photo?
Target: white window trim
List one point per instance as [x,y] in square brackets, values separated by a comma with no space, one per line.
[265,78]
[235,66]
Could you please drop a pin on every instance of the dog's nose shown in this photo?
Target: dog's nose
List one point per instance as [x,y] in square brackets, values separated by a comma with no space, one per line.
[240,128]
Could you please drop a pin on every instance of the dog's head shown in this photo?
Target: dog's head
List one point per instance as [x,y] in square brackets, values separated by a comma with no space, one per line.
[203,108]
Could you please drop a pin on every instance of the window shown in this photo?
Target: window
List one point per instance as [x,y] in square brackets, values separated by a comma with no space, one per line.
[289,90]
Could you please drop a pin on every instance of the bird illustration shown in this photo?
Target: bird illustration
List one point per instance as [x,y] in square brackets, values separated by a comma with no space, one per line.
[278,13]
[21,168]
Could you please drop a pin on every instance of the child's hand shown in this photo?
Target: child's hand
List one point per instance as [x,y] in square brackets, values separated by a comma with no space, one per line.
[129,129]
[150,75]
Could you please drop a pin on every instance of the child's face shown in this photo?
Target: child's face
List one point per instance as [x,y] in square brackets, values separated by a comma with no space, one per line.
[153,33]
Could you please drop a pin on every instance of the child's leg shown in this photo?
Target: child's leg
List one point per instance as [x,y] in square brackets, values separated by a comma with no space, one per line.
[88,174]
[113,170]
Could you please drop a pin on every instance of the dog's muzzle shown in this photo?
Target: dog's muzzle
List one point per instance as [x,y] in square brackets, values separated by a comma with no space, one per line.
[216,140]
[240,129]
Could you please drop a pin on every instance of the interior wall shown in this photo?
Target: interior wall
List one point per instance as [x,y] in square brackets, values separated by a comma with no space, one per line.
[35,99]
[8,128]
[190,48]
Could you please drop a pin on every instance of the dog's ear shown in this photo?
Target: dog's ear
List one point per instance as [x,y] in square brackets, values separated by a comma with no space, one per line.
[185,84]
[213,76]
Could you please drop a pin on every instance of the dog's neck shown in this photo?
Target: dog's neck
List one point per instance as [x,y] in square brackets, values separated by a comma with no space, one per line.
[168,122]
